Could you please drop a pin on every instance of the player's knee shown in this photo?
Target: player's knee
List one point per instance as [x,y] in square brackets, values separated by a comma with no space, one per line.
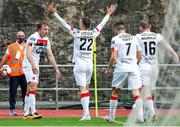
[115,92]
[83,89]
[32,86]
[135,92]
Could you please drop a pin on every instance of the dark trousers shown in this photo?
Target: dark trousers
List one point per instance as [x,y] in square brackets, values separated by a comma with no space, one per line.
[15,81]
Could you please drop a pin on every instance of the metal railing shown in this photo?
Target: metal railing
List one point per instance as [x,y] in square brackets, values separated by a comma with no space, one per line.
[56,87]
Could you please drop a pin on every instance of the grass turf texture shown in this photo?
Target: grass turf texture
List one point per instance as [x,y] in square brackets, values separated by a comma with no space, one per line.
[74,121]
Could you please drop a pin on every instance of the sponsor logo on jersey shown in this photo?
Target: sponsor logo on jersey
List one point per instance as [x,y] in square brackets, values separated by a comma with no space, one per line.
[32,38]
[39,50]
[112,42]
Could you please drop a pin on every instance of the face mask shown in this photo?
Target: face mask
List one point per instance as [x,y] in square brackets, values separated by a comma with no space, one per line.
[20,40]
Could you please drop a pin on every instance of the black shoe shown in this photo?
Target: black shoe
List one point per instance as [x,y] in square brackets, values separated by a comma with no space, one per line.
[36,116]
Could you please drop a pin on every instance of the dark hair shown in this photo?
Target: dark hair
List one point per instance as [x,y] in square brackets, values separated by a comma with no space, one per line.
[144,24]
[39,26]
[119,26]
[86,22]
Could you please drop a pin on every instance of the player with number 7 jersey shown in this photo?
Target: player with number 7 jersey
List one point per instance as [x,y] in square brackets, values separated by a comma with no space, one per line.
[83,59]
[126,53]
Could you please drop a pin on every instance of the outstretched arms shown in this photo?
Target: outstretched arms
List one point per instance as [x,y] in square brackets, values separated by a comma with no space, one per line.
[110,10]
[52,10]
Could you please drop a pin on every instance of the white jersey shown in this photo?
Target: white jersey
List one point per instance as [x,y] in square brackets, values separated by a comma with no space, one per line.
[126,47]
[83,42]
[83,39]
[38,44]
[149,42]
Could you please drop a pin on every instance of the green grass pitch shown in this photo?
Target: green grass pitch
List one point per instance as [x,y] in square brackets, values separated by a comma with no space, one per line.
[74,121]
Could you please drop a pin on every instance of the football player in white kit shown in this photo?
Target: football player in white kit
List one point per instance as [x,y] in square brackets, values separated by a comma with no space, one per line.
[126,53]
[82,57]
[148,66]
[36,44]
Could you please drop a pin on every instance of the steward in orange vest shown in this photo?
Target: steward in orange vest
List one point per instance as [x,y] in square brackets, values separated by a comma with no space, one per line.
[14,57]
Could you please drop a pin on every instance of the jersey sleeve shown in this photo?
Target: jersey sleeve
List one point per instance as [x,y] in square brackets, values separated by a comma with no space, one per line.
[138,46]
[113,45]
[64,24]
[138,36]
[31,41]
[159,38]
[95,32]
[99,27]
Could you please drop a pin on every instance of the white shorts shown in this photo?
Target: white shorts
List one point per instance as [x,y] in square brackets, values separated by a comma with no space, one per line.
[149,77]
[132,78]
[83,74]
[30,76]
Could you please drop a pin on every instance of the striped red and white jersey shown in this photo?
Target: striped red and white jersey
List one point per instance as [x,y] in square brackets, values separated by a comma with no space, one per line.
[38,44]
[126,46]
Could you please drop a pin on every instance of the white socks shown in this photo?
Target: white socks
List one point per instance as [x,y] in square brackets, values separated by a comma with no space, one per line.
[112,107]
[26,105]
[85,102]
[150,106]
[139,108]
[32,103]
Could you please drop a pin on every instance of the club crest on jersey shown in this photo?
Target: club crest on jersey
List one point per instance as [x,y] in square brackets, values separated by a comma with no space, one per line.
[39,50]
[41,42]
[112,42]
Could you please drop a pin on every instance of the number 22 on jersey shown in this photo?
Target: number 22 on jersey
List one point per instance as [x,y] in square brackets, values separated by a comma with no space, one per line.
[86,44]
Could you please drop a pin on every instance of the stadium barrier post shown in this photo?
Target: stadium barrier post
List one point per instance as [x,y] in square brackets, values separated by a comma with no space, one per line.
[56,103]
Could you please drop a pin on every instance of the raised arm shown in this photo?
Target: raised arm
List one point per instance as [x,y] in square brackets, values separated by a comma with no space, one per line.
[53,10]
[110,10]
[170,49]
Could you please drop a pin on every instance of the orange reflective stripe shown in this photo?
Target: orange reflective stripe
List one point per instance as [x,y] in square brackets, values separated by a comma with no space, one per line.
[14,62]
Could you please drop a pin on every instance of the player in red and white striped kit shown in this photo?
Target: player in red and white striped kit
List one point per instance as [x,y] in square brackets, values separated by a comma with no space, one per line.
[36,44]
[83,41]
[148,66]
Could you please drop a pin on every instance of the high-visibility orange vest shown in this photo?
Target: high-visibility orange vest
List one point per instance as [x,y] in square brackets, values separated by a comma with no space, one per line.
[14,63]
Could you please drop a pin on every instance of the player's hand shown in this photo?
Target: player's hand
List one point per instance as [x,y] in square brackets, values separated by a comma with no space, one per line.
[35,69]
[108,71]
[51,8]
[58,74]
[3,73]
[111,9]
